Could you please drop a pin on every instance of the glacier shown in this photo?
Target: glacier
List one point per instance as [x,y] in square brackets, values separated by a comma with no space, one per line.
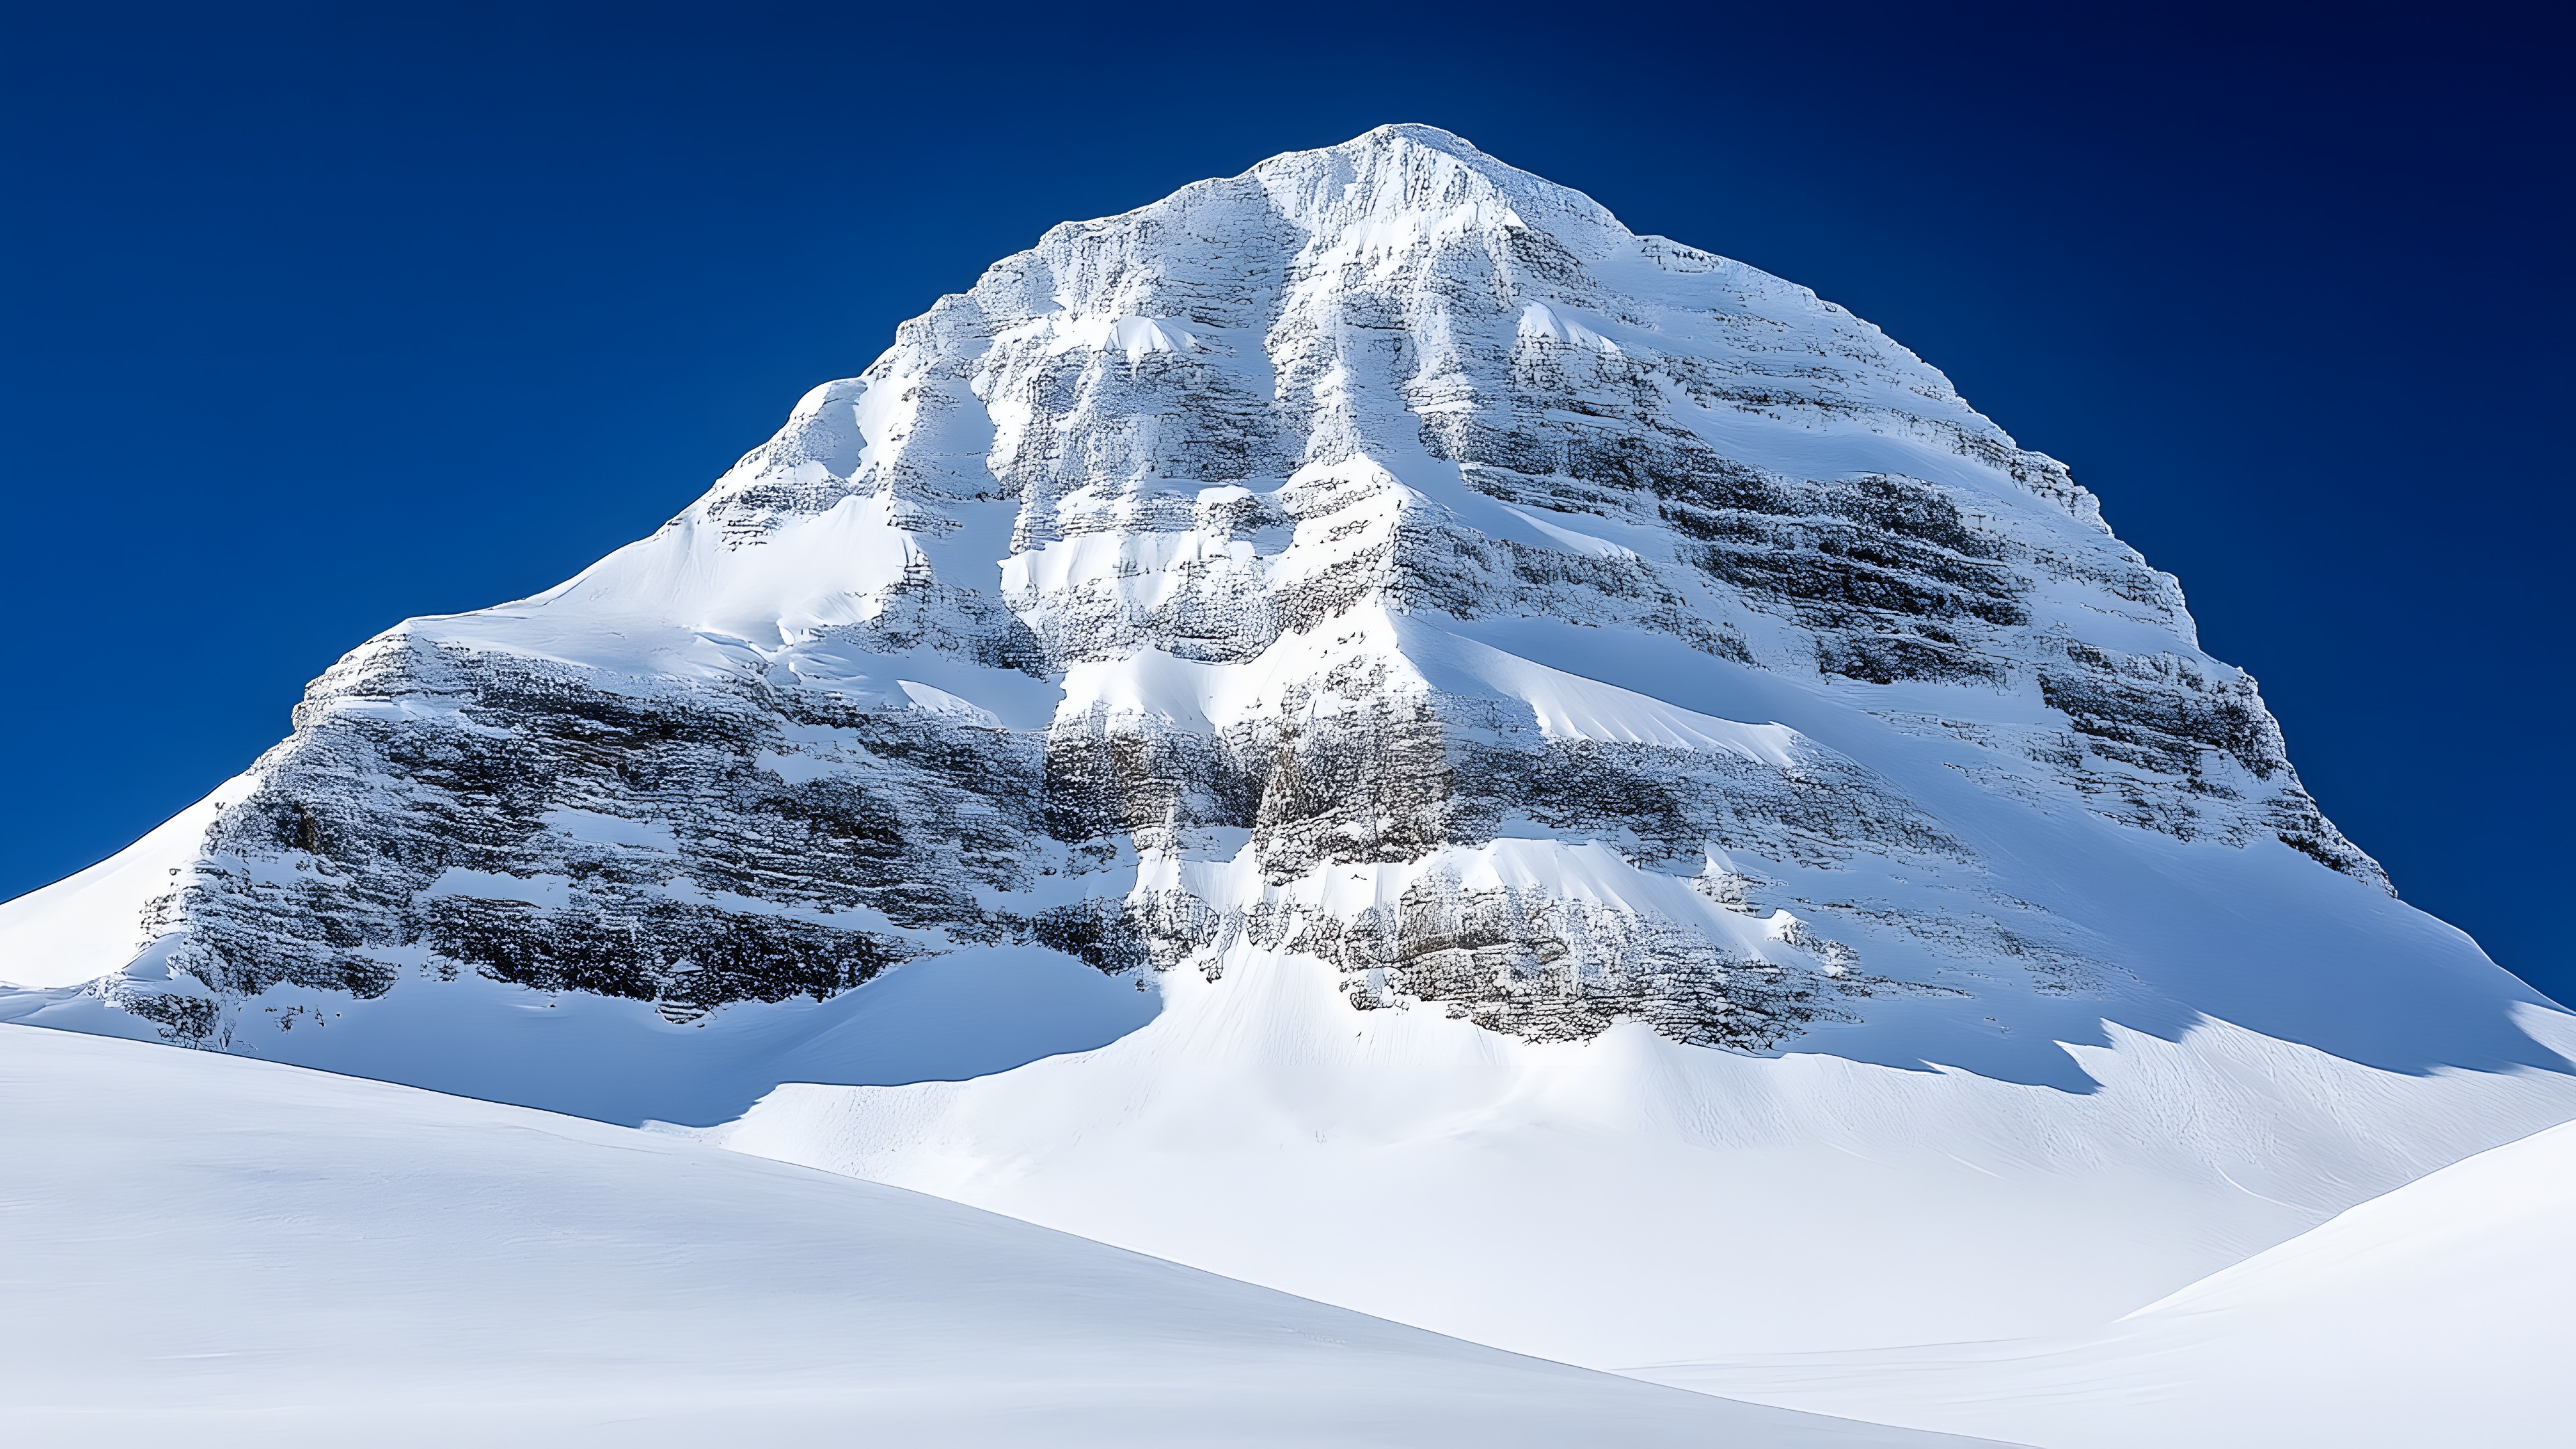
[1365,728]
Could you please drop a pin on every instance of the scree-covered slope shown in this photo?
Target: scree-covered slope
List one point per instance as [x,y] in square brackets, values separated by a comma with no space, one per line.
[1366,727]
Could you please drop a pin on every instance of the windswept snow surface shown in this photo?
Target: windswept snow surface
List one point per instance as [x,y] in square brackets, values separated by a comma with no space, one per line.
[1367,728]
[213,1251]
[2442,1313]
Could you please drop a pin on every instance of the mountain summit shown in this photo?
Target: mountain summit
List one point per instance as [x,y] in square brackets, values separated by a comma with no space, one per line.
[1504,747]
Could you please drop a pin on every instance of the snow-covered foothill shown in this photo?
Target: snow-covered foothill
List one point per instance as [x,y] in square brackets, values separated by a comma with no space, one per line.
[2438,1314]
[214,1251]
[1604,1202]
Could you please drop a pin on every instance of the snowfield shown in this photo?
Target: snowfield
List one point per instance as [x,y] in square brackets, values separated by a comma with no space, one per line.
[2436,1315]
[206,1250]
[1603,1202]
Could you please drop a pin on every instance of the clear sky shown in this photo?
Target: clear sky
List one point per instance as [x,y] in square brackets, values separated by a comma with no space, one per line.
[312,319]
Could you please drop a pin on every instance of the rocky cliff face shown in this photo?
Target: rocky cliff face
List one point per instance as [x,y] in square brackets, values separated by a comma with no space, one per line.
[1251,572]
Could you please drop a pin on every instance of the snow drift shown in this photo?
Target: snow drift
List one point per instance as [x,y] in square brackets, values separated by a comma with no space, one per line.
[2436,1314]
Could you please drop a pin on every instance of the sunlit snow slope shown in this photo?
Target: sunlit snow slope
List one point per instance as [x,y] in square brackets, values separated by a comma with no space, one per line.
[2438,1314]
[1366,727]
[1603,1202]
[225,1252]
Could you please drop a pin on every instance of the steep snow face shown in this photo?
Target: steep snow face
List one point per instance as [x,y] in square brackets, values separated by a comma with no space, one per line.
[263,1255]
[1485,679]
[2434,1315]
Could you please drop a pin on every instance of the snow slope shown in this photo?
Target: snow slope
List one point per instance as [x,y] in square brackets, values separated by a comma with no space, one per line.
[1366,727]
[2437,1314]
[1604,1201]
[231,1252]
[88,925]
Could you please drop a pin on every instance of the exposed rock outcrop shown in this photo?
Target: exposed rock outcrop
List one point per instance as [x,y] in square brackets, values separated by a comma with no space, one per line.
[1249,572]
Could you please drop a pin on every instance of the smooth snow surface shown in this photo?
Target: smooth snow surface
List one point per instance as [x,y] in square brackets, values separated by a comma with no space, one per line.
[212,1251]
[1602,1202]
[2441,1314]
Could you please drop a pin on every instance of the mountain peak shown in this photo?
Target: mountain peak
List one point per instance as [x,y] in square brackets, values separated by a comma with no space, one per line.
[1376,424]
[1370,630]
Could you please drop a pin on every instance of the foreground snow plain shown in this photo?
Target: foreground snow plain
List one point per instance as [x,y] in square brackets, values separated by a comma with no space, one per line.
[234,1252]
[2438,1314]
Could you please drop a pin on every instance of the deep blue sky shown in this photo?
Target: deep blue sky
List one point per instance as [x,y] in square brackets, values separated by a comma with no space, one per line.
[314,319]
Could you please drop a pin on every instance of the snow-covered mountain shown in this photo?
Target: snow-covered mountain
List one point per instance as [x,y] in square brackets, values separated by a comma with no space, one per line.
[1417,747]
